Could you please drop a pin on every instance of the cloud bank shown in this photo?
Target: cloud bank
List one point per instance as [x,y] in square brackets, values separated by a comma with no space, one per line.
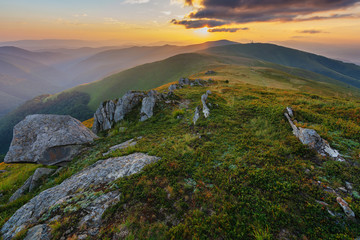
[214,13]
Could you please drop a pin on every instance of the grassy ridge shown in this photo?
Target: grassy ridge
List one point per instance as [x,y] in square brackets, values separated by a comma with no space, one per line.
[345,72]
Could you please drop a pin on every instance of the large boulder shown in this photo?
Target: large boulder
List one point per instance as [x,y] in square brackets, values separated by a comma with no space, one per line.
[99,174]
[48,140]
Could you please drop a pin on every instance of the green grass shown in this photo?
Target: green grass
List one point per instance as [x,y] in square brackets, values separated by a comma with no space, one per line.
[240,174]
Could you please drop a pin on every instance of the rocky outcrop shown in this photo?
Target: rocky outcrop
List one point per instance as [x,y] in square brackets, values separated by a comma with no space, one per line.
[48,140]
[127,103]
[32,182]
[101,173]
[311,138]
[104,116]
[148,104]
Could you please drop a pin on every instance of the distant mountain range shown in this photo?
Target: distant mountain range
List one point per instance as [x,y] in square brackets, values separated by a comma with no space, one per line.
[25,74]
[259,64]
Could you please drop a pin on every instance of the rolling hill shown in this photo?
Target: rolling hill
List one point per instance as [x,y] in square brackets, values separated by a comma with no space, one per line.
[228,62]
[346,72]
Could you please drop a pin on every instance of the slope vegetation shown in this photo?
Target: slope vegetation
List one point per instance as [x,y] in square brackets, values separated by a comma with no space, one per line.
[345,72]
[238,174]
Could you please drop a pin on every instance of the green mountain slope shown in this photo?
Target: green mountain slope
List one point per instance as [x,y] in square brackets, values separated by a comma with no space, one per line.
[239,174]
[345,72]
[148,76]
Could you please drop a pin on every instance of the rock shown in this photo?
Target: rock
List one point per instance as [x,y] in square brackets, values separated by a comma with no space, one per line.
[127,103]
[196,115]
[48,140]
[2,171]
[100,173]
[342,189]
[311,138]
[172,87]
[39,232]
[349,186]
[21,191]
[184,81]
[208,92]
[345,207]
[37,176]
[148,104]
[129,143]
[322,203]
[96,209]
[206,110]
[290,111]
[31,183]
[198,82]
[104,116]
[210,72]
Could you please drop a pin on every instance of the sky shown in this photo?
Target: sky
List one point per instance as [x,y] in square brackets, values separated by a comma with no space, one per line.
[327,22]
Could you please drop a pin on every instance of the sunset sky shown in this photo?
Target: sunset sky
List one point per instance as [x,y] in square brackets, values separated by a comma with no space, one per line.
[182,21]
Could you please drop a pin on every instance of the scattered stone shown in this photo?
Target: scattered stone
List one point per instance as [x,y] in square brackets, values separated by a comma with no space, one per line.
[125,104]
[311,138]
[290,111]
[2,171]
[342,189]
[172,87]
[100,173]
[31,183]
[48,140]
[184,81]
[39,232]
[322,203]
[129,143]
[196,115]
[307,171]
[345,207]
[349,186]
[148,104]
[206,110]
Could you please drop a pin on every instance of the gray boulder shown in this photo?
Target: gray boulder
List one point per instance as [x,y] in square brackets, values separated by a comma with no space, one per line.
[47,139]
[127,103]
[104,116]
[148,104]
[101,173]
[32,182]
[311,138]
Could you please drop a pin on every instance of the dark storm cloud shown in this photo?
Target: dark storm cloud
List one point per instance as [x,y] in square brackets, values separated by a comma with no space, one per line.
[244,11]
[231,30]
[198,23]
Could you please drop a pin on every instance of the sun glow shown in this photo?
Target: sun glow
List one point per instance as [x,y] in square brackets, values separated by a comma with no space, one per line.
[202,31]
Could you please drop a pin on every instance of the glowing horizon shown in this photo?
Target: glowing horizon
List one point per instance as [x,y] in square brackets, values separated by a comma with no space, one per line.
[148,21]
